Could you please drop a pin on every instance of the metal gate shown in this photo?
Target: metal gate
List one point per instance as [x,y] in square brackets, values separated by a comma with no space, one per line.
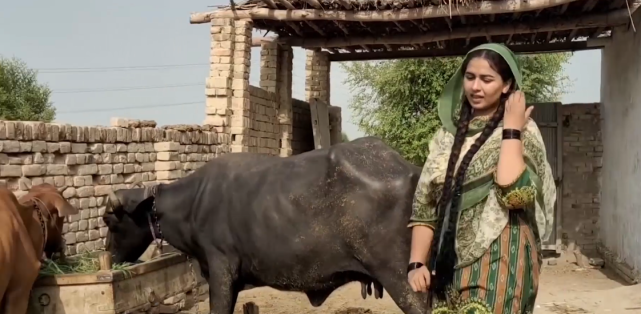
[548,117]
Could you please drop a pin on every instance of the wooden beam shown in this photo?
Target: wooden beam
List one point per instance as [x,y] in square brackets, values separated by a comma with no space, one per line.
[459,51]
[295,28]
[564,8]
[616,4]
[614,18]
[589,5]
[314,3]
[316,28]
[475,8]
[287,4]
[257,41]
[270,4]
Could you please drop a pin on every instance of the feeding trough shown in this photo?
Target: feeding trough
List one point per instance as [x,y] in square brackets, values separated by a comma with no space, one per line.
[116,290]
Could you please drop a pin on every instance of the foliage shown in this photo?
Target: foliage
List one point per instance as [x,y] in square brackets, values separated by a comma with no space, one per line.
[344,137]
[396,100]
[81,264]
[21,96]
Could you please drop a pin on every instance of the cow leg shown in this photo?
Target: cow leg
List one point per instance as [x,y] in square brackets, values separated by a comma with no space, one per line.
[401,292]
[222,285]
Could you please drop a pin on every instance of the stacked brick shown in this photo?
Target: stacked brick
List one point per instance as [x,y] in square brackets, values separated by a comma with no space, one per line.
[582,162]
[276,77]
[91,161]
[227,87]
[264,126]
[317,67]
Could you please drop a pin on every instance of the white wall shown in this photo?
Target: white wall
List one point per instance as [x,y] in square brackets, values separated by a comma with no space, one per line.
[620,213]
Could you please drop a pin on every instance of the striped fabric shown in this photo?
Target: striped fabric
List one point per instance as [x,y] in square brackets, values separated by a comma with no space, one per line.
[504,280]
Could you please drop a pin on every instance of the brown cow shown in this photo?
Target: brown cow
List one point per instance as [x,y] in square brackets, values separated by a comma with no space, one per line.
[53,217]
[24,233]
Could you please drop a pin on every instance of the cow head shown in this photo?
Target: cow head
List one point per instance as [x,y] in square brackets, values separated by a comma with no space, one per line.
[127,220]
[54,208]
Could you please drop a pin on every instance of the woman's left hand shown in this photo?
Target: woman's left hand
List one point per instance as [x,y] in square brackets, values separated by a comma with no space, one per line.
[516,115]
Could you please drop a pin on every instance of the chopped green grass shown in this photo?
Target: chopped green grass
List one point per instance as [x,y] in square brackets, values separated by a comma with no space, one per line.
[81,264]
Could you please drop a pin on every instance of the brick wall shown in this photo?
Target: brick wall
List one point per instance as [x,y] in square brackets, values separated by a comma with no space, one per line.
[582,153]
[303,135]
[92,160]
[264,128]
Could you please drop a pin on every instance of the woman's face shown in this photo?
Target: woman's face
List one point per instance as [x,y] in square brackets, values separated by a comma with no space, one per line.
[483,86]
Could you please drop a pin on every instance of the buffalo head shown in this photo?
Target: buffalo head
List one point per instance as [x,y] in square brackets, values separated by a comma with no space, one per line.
[127,218]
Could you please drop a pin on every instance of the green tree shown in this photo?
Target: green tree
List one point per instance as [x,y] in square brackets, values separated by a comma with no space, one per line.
[344,136]
[21,96]
[396,100]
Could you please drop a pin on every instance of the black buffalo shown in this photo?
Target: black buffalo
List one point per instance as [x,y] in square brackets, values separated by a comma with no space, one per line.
[310,222]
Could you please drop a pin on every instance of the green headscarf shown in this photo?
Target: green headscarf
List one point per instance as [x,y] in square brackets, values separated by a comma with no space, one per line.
[450,99]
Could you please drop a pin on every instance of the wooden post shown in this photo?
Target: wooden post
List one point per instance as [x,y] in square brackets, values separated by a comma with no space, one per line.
[104,258]
[250,308]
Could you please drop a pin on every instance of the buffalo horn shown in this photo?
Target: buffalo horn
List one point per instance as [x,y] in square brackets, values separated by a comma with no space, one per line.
[137,182]
[113,199]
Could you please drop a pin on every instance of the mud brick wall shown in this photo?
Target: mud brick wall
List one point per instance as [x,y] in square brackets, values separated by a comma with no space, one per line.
[264,127]
[303,135]
[90,161]
[582,162]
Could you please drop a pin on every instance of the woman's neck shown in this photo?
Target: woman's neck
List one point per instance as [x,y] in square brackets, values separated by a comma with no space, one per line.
[484,113]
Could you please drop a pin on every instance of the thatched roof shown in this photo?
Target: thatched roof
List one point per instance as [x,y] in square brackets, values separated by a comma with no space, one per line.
[392,25]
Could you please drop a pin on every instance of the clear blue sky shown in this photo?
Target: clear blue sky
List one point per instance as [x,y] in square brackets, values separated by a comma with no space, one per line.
[92,34]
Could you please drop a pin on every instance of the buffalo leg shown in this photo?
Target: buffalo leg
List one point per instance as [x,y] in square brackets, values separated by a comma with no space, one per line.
[222,286]
[401,292]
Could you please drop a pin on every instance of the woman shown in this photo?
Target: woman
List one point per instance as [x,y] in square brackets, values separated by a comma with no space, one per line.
[485,198]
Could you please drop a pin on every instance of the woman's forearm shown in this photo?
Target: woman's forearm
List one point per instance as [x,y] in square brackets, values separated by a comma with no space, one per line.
[421,242]
[511,163]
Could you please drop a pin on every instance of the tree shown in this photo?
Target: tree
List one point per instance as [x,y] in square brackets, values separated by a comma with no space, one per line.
[344,137]
[396,100]
[21,96]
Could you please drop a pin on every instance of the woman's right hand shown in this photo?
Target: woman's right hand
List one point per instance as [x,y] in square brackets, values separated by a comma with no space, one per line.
[419,279]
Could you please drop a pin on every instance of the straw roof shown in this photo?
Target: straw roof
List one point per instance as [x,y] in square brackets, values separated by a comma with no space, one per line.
[352,26]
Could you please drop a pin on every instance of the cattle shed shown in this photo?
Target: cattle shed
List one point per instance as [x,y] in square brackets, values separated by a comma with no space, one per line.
[590,146]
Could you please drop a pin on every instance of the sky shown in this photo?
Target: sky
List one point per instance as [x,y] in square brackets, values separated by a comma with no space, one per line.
[85,52]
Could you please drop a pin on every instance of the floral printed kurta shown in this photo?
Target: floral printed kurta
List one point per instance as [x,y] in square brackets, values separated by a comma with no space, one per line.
[485,215]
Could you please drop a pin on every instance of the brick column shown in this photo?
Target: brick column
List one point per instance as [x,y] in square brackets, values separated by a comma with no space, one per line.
[228,105]
[317,67]
[276,76]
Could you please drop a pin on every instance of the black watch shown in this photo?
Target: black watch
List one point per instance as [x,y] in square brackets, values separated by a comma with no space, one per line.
[414,265]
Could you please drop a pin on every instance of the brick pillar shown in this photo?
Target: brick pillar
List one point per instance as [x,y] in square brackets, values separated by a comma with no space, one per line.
[228,105]
[276,76]
[317,70]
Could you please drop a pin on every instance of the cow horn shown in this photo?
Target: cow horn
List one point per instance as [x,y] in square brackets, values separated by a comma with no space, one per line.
[62,188]
[113,199]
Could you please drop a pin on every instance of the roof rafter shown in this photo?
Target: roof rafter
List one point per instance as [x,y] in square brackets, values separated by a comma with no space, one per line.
[477,8]
[614,18]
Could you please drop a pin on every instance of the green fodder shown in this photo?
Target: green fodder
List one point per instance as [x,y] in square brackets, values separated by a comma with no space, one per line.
[82,264]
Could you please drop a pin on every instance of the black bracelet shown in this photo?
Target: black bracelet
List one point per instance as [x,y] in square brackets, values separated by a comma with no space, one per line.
[511,134]
[414,265]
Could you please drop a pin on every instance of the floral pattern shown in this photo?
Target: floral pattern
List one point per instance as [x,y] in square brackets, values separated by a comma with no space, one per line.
[483,222]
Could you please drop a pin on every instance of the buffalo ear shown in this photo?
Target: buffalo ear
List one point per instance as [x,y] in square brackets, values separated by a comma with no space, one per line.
[110,220]
[64,208]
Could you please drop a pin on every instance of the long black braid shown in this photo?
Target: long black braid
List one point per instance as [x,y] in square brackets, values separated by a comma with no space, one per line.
[445,259]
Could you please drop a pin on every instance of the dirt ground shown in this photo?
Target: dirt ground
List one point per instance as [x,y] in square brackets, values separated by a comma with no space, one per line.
[565,289]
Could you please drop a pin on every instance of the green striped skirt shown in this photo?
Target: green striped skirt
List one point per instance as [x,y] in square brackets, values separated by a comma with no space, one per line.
[504,280]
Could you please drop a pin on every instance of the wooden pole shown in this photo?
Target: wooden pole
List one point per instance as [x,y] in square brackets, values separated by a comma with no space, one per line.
[614,18]
[475,8]
[454,52]
[104,258]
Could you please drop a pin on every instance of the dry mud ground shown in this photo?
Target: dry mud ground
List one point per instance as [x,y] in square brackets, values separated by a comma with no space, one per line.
[565,289]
